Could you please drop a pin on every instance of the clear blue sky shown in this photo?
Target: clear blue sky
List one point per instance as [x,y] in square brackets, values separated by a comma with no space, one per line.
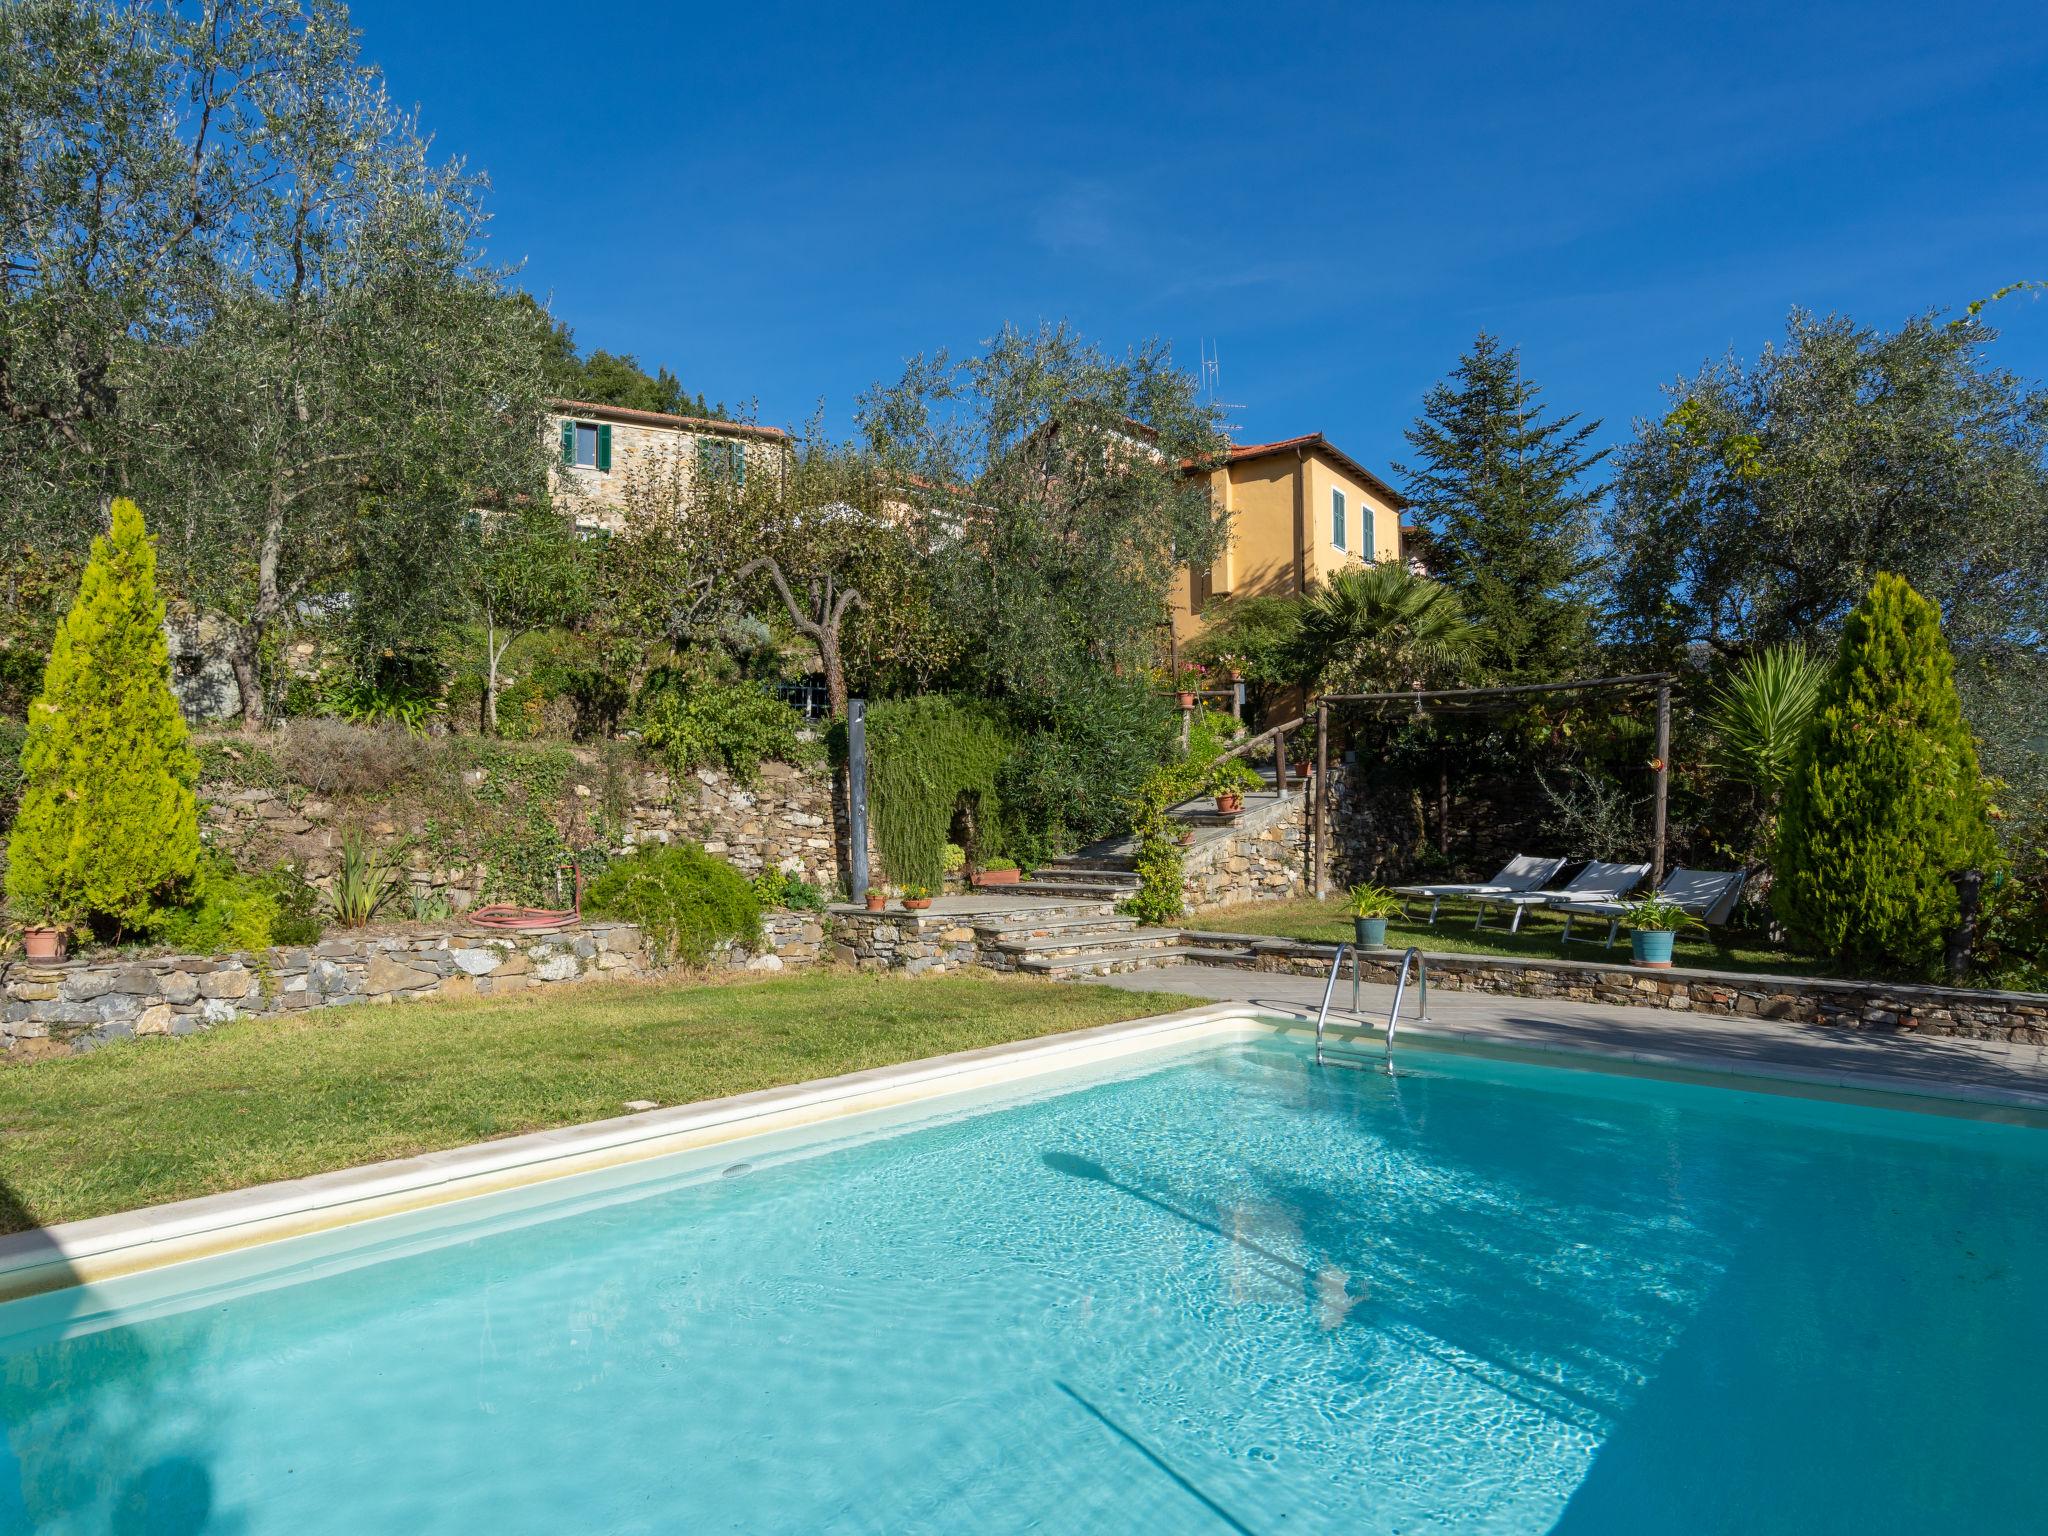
[782,204]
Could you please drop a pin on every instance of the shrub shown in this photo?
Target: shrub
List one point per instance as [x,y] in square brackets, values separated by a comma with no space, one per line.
[777,888]
[1079,762]
[108,830]
[934,760]
[12,734]
[333,758]
[372,701]
[685,901]
[223,910]
[734,726]
[1160,897]
[1886,802]
[298,907]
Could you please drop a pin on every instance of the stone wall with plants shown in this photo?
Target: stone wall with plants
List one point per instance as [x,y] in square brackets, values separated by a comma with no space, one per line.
[470,820]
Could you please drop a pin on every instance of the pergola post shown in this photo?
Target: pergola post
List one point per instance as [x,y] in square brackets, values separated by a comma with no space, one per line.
[1663,783]
[1319,794]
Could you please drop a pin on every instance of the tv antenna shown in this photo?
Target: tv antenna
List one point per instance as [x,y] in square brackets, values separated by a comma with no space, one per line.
[1212,376]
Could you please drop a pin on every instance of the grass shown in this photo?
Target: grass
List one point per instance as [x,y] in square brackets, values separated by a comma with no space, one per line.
[143,1122]
[1324,922]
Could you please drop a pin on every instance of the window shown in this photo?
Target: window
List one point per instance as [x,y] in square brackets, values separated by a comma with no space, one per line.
[1369,548]
[720,458]
[587,445]
[1337,518]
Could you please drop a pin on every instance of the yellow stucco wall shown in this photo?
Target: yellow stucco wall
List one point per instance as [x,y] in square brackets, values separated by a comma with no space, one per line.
[1259,494]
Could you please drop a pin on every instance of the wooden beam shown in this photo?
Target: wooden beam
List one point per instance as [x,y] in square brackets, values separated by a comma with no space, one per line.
[1319,792]
[1577,685]
[1663,784]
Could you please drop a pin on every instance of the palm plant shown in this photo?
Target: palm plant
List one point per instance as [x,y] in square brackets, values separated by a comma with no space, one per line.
[1379,627]
[1759,714]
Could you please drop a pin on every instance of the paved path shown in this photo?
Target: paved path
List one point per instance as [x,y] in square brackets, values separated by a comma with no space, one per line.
[1985,1071]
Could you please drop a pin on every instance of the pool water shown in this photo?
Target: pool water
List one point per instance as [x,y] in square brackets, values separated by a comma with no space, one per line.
[1232,1292]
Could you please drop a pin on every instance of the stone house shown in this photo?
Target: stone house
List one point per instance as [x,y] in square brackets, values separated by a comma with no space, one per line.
[597,450]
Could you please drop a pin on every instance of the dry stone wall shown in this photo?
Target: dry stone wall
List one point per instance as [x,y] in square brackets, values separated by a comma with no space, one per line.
[1263,859]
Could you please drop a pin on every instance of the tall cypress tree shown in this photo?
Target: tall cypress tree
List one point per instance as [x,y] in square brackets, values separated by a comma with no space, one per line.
[1499,487]
[1886,802]
[108,830]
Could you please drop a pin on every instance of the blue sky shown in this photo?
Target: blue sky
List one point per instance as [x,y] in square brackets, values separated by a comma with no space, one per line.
[783,203]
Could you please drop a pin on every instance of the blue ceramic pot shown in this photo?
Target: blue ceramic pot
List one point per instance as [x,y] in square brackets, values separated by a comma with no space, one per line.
[1371,932]
[1650,947]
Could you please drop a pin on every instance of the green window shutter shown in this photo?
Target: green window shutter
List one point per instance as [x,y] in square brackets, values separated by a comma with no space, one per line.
[739,463]
[568,444]
[604,448]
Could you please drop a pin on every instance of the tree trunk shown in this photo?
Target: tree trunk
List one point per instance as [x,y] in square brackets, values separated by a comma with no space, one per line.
[835,671]
[248,680]
[490,678]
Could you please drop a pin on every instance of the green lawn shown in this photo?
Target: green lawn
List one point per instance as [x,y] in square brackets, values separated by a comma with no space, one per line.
[1324,922]
[143,1122]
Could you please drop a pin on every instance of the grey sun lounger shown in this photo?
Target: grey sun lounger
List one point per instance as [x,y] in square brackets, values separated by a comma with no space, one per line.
[1596,882]
[1524,872]
[1707,894]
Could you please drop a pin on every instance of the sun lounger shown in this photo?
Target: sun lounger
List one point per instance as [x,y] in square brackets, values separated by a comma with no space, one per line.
[1596,882]
[1524,872]
[1707,894]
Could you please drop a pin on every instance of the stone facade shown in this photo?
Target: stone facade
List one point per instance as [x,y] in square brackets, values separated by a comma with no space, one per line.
[1885,1007]
[77,1004]
[660,452]
[786,821]
[1263,859]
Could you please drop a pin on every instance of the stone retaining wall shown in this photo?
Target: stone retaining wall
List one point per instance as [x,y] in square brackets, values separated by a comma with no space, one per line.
[77,1004]
[1885,1007]
[915,943]
[787,821]
[1263,859]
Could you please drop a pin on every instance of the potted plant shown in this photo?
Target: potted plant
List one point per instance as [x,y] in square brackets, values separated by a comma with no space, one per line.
[916,898]
[877,898]
[1653,926]
[999,872]
[1370,906]
[1227,781]
[43,941]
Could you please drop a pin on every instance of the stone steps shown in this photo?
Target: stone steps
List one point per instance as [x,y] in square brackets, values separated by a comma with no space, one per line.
[1099,962]
[1106,891]
[1055,946]
[1046,913]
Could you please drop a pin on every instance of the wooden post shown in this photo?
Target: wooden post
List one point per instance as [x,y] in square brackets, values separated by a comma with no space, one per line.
[1280,762]
[857,796]
[1237,699]
[1663,783]
[1319,792]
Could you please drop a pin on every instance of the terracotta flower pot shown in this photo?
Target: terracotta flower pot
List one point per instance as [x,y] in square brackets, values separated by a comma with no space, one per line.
[917,905]
[1187,700]
[998,877]
[878,903]
[43,943]
[1229,803]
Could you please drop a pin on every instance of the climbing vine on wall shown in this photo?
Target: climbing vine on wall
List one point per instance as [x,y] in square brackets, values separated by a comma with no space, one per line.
[930,758]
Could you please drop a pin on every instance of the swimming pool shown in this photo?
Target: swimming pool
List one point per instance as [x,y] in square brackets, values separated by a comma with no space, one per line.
[1224,1291]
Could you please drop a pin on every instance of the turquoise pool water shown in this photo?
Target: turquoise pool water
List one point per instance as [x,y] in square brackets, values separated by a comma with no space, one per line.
[1231,1292]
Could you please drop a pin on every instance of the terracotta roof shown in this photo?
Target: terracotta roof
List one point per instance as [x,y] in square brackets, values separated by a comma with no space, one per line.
[1315,442]
[660,419]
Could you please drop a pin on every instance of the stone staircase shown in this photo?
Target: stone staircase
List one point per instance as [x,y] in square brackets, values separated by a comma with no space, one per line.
[1072,939]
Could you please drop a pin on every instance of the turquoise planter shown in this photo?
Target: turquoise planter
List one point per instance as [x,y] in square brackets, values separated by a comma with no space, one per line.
[1371,932]
[1649,947]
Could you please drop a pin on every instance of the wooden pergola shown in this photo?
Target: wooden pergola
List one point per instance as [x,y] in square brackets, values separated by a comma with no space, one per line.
[1452,701]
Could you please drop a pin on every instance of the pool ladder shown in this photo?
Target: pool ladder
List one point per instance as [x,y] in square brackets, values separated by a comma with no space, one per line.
[1409,956]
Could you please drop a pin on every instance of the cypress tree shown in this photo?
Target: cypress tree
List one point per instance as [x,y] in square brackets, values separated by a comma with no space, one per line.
[1886,801]
[108,830]
[1497,485]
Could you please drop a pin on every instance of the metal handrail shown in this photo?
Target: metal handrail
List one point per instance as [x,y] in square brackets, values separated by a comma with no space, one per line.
[1401,987]
[1408,956]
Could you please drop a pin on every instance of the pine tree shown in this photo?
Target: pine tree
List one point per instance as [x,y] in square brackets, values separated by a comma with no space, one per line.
[1498,488]
[1886,802]
[108,830]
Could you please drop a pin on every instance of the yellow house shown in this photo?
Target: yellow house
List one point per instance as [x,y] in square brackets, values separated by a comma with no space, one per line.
[597,449]
[1300,511]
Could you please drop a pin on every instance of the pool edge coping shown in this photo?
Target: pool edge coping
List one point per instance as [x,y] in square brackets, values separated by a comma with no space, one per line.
[107,1247]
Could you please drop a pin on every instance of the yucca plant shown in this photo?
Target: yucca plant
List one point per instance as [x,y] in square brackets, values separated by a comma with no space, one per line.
[1759,714]
[362,885]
